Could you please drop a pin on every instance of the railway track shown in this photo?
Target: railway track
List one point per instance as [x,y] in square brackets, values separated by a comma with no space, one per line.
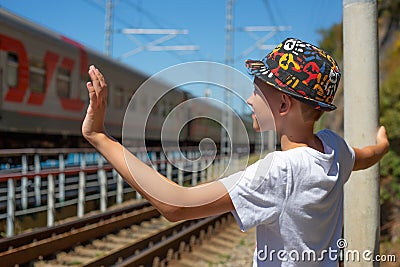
[42,242]
[135,235]
[225,246]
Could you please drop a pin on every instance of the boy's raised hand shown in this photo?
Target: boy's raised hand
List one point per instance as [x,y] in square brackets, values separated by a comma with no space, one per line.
[93,124]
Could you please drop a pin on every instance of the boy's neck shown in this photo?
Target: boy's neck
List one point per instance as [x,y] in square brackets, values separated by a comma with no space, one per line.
[301,138]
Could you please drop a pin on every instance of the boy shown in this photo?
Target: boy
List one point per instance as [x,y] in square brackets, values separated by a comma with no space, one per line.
[293,196]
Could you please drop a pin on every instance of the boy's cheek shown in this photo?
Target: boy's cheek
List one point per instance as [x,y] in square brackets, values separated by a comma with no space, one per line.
[266,121]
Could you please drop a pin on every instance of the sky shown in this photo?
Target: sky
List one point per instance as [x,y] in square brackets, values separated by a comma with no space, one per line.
[84,21]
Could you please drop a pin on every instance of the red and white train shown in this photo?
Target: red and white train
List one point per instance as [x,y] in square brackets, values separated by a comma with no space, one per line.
[43,97]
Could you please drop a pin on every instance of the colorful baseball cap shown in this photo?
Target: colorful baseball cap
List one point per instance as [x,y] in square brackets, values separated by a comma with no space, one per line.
[300,70]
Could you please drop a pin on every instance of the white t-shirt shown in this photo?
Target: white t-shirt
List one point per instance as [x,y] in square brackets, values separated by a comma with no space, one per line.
[295,198]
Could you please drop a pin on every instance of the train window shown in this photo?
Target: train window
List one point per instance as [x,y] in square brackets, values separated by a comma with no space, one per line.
[12,69]
[132,105]
[37,77]
[162,107]
[63,82]
[83,92]
[164,111]
[118,97]
[144,102]
[156,106]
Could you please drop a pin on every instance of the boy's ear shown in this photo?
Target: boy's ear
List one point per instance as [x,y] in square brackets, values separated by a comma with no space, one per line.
[286,104]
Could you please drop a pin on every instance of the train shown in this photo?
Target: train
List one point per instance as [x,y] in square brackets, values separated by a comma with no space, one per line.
[43,96]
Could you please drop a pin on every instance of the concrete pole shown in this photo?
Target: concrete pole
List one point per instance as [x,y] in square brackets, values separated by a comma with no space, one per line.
[361,113]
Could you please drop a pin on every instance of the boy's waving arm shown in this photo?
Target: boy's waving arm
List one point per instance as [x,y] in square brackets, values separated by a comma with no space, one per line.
[200,201]
[367,156]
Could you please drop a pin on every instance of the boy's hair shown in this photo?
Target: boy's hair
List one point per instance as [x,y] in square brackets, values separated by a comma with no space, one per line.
[301,70]
[309,113]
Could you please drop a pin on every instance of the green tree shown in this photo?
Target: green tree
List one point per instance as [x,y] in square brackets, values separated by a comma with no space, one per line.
[389,95]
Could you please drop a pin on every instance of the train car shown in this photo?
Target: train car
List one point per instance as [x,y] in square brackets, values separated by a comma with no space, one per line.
[43,76]
[208,125]
[43,97]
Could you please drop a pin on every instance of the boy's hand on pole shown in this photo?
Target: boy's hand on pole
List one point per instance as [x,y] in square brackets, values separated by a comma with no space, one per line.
[382,139]
[381,136]
[93,124]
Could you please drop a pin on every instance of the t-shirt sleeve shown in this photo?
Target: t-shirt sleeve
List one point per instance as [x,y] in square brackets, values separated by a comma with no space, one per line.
[348,158]
[344,151]
[258,192]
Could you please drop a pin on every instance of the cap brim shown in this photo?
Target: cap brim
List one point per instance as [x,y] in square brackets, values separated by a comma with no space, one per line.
[259,69]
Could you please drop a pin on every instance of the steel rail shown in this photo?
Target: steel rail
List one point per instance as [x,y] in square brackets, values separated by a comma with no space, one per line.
[163,241]
[74,235]
[47,232]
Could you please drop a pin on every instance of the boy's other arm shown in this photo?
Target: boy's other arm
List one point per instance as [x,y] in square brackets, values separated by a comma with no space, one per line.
[200,201]
[367,156]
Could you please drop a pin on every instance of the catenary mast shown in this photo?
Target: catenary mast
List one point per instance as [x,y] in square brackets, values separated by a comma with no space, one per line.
[226,114]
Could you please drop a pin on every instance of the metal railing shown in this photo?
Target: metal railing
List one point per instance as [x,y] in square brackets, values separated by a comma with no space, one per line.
[43,180]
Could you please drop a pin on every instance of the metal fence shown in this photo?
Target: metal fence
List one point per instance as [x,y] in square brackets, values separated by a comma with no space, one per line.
[38,180]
